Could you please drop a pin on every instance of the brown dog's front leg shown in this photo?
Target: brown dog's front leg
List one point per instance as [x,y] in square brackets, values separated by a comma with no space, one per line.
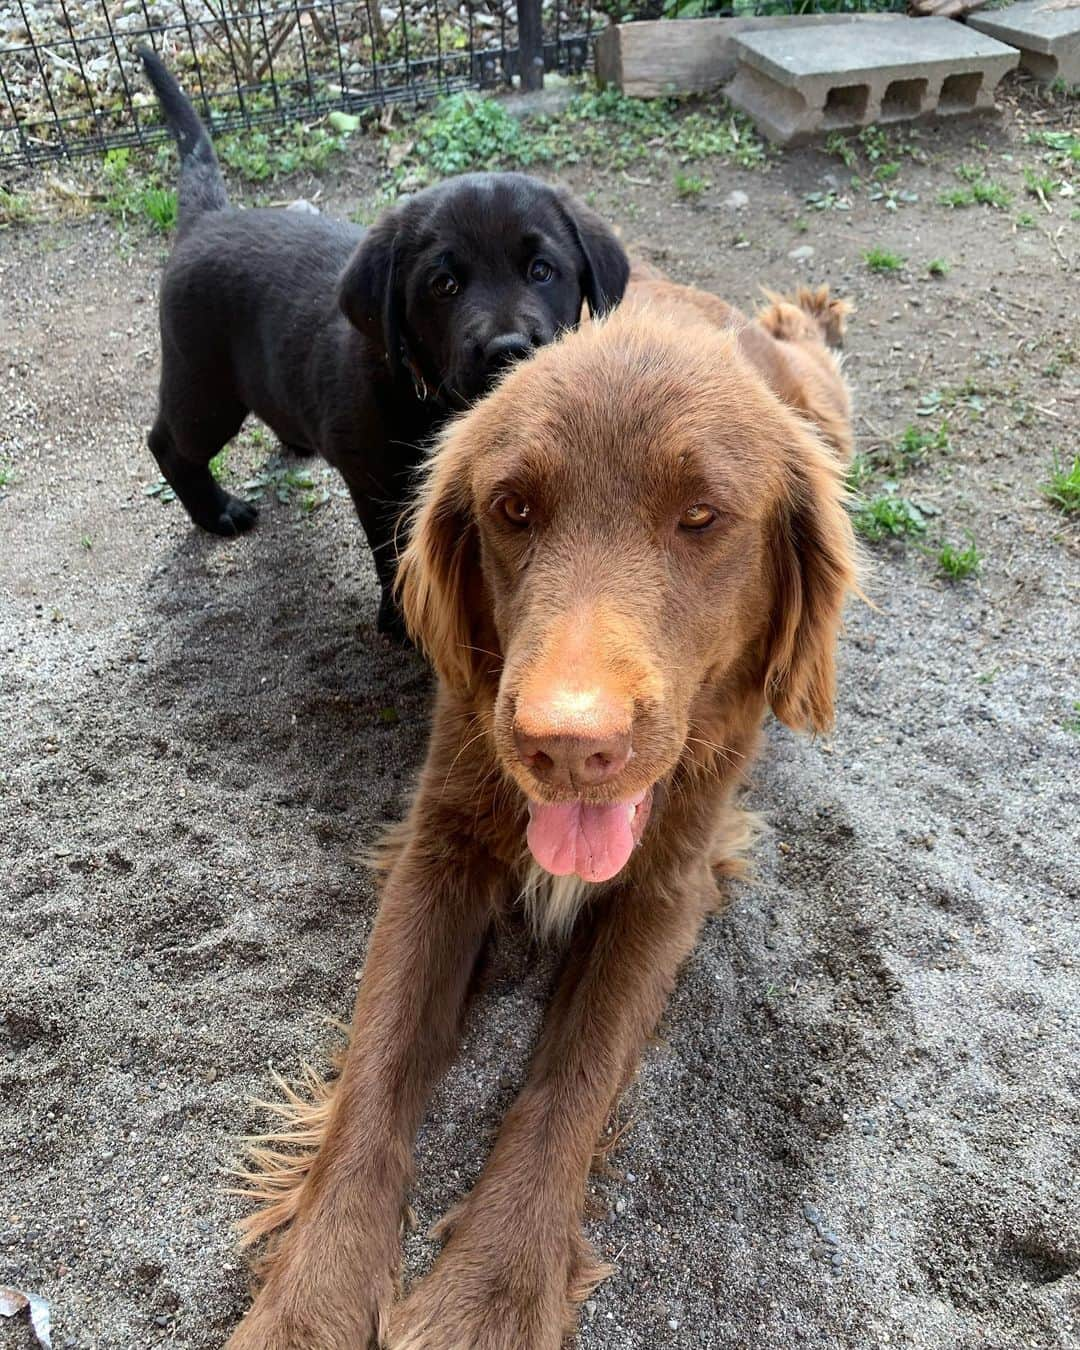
[331,1274]
[516,1262]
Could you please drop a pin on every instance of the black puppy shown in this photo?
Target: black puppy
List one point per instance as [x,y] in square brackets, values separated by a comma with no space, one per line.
[355,344]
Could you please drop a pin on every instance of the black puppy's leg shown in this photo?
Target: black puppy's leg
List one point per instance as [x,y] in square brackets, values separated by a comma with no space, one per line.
[183,449]
[380,525]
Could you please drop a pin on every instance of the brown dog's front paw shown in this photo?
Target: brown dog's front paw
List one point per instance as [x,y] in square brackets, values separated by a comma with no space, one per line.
[329,1307]
[473,1300]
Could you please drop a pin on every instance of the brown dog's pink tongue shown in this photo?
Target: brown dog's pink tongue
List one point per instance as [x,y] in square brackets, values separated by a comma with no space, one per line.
[593,841]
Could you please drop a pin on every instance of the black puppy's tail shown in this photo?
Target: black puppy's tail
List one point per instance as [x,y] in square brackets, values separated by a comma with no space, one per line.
[202,187]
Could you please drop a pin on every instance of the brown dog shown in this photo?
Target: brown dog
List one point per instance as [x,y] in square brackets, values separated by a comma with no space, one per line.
[620,558]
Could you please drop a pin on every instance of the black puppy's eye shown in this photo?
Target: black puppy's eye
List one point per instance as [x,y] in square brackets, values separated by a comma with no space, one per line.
[445,286]
[697,517]
[540,270]
[516,510]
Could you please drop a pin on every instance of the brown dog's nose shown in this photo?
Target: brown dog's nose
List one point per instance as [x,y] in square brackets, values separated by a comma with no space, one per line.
[573,761]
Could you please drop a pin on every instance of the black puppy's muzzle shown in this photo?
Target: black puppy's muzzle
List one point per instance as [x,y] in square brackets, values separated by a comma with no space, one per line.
[504,350]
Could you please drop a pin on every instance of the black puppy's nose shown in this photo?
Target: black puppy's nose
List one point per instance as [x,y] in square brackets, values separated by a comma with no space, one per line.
[505,349]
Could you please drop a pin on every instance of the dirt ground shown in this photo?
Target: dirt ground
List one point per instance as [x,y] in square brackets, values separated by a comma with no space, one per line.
[880,1036]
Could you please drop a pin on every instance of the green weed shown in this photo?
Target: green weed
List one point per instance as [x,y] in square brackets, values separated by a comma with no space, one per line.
[914,445]
[1073,723]
[689,186]
[1040,185]
[135,195]
[959,563]
[881,260]
[980,190]
[14,208]
[859,472]
[260,154]
[1062,488]
[938,267]
[1025,221]
[888,516]
[467,131]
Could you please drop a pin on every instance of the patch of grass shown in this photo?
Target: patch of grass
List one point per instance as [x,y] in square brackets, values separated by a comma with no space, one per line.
[888,516]
[7,475]
[859,472]
[14,208]
[219,465]
[1073,723]
[881,260]
[1025,221]
[259,154]
[1062,488]
[160,206]
[887,171]
[86,541]
[938,267]
[134,195]
[980,190]
[467,131]
[689,186]
[838,144]
[1040,185]
[915,445]
[957,564]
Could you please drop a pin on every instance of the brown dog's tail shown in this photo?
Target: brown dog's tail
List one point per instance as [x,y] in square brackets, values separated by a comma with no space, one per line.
[811,313]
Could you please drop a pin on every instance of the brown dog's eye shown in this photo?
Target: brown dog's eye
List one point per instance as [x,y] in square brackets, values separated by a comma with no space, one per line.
[445,286]
[697,517]
[516,510]
[540,270]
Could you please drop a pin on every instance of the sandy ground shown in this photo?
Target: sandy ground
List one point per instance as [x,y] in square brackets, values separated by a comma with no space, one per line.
[880,1037]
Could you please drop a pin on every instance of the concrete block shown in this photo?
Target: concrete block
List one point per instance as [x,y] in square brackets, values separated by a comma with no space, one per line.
[1045,32]
[839,77]
[661,57]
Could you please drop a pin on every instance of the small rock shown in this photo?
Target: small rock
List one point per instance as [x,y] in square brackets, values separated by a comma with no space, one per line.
[735,201]
[802,253]
[620,1206]
[811,1215]
[673,1324]
[303,205]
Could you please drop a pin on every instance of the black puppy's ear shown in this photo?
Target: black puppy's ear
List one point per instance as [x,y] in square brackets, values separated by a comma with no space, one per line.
[606,268]
[368,293]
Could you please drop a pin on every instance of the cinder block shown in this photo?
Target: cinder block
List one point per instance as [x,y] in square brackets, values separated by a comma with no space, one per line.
[838,77]
[1046,35]
[657,57]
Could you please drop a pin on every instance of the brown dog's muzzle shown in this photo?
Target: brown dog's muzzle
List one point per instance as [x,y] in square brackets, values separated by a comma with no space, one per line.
[574,737]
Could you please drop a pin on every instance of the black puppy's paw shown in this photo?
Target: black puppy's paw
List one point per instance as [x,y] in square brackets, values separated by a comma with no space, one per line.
[390,624]
[235,517]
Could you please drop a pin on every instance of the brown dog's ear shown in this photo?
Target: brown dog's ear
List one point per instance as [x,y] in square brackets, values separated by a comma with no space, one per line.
[816,566]
[368,294]
[605,267]
[438,582]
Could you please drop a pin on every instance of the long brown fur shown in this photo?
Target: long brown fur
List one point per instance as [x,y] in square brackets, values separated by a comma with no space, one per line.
[566,603]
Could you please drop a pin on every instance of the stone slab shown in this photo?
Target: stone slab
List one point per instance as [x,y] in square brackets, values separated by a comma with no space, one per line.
[842,53]
[661,57]
[1045,32]
[840,77]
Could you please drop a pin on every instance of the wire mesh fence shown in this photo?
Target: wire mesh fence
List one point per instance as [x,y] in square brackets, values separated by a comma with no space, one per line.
[71,82]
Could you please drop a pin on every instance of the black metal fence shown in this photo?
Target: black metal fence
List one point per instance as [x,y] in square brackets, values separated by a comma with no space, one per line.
[71,84]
